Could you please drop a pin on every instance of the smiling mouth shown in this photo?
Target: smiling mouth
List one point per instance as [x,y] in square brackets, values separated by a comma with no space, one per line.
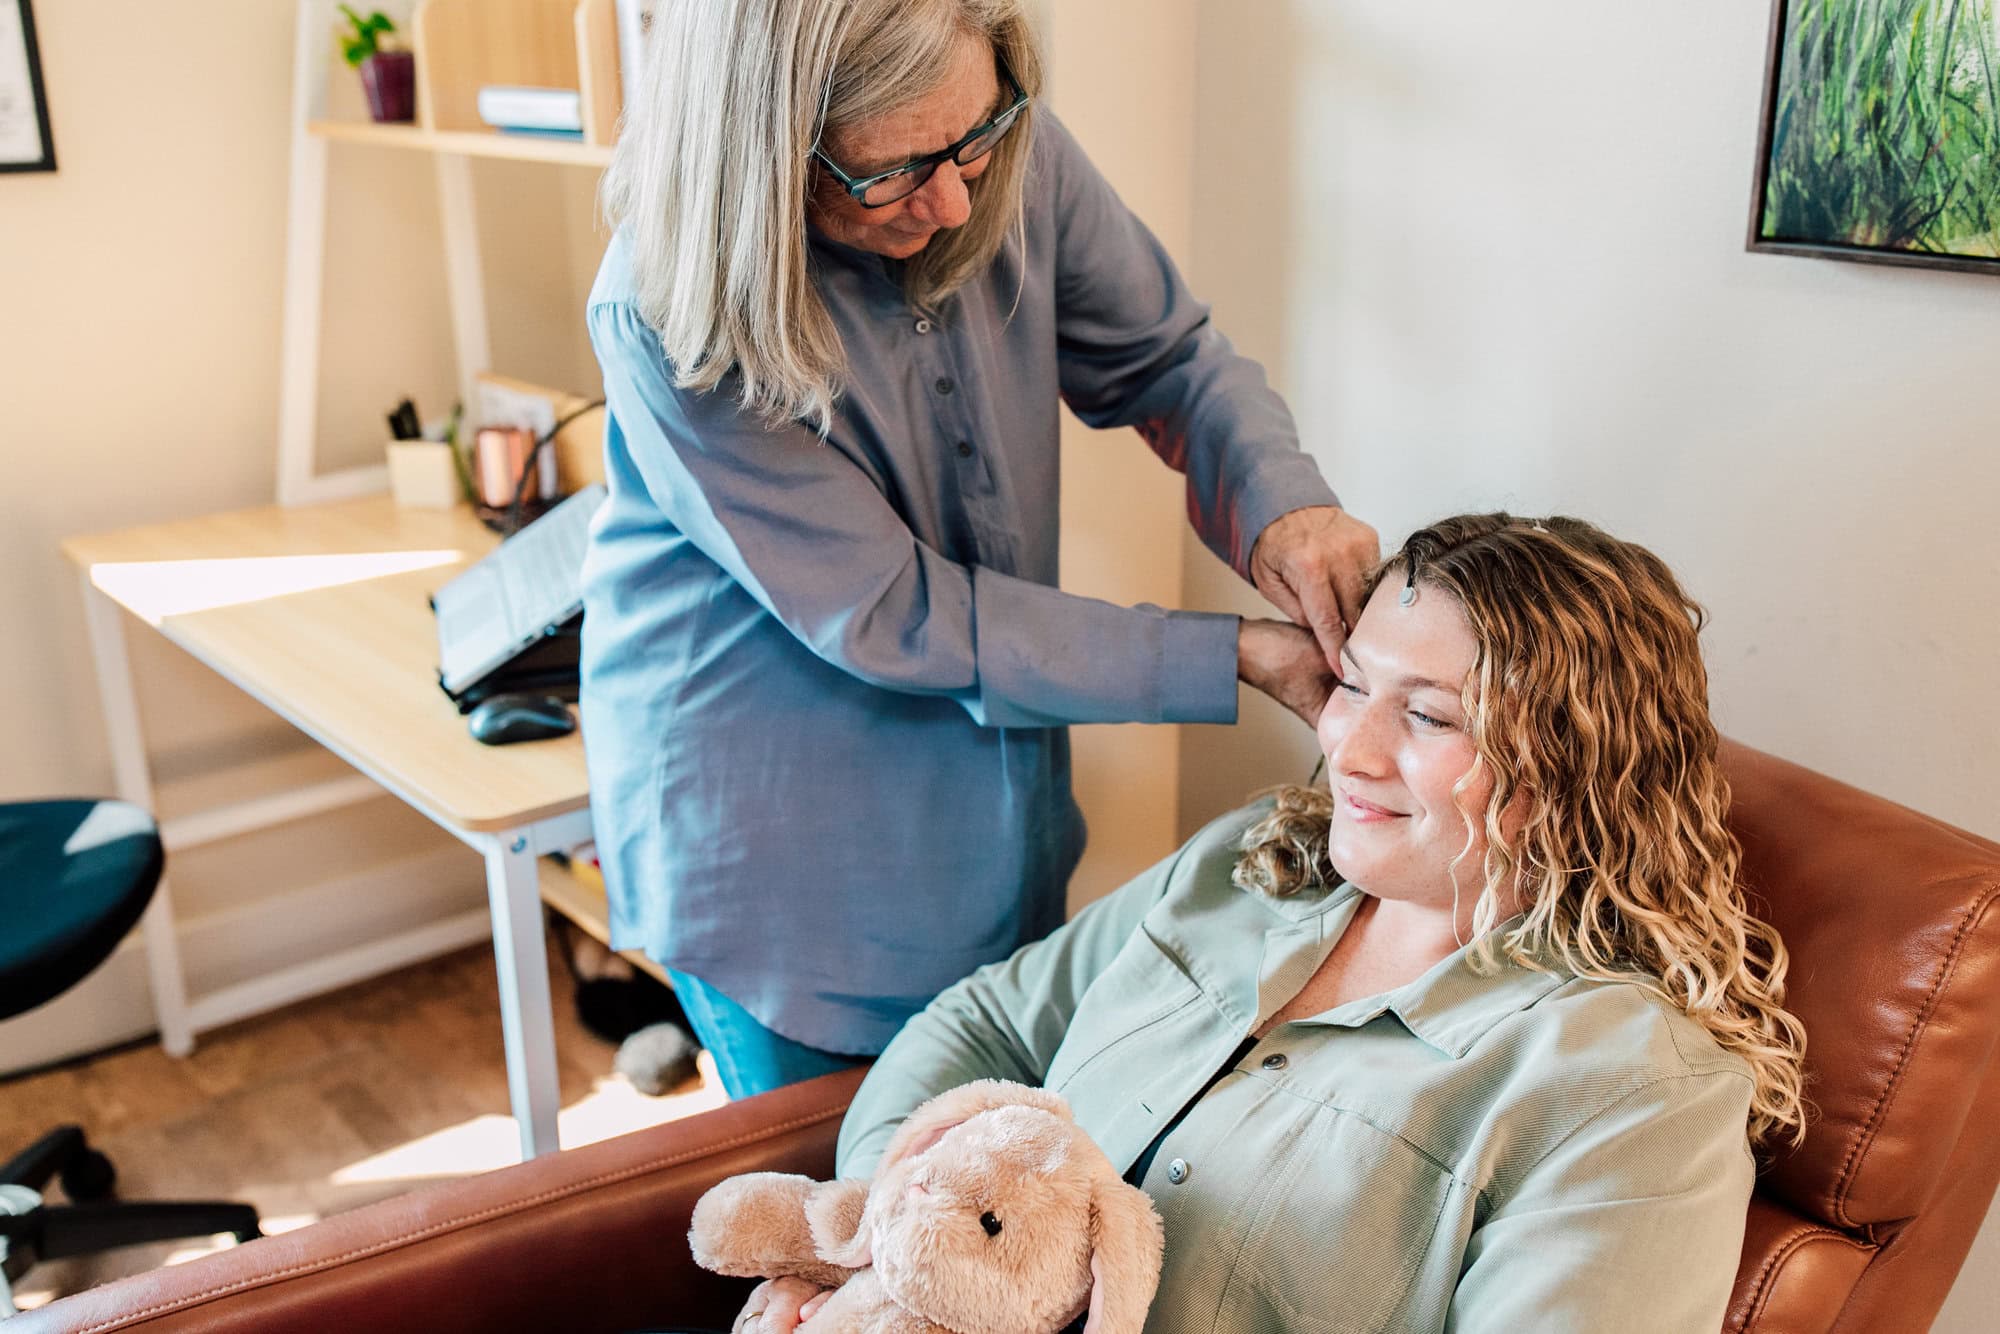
[1367,810]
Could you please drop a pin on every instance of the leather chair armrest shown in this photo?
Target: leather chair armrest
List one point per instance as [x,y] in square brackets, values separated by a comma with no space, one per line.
[590,1239]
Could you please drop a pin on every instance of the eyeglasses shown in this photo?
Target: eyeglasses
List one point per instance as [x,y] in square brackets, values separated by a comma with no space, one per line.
[887,187]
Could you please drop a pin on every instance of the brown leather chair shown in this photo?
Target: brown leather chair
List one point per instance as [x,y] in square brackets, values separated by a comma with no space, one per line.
[1896,972]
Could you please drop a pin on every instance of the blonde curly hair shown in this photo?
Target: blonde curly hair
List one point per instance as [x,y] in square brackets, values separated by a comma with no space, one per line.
[1588,705]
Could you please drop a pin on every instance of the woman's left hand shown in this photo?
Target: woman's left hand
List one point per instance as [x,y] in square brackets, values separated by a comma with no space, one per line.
[1311,564]
[1284,662]
[779,1306]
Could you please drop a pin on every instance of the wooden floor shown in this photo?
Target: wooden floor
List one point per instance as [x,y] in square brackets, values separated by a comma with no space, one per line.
[322,1106]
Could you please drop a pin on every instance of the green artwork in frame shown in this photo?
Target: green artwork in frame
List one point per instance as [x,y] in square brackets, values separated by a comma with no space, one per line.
[1881,133]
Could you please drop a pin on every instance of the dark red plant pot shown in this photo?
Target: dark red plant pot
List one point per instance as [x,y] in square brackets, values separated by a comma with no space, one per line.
[390,80]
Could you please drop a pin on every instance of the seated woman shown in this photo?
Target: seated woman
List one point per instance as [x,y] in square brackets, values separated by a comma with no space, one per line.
[1480,1038]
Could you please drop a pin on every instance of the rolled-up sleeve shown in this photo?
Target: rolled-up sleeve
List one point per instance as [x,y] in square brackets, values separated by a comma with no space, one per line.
[1634,1222]
[811,536]
[1135,348]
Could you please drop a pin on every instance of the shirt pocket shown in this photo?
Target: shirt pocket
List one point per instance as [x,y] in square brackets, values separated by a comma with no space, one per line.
[1110,1064]
[1140,989]
[1341,1236]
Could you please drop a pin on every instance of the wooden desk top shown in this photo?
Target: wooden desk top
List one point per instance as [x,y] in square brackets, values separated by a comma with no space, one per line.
[319,611]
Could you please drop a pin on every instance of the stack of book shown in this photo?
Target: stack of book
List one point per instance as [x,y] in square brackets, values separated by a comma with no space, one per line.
[557,111]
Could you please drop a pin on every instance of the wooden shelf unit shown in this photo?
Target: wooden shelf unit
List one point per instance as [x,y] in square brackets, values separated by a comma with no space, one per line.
[459,47]
[464,45]
[578,894]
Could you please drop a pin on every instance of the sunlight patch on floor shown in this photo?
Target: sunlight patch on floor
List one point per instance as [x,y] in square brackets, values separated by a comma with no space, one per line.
[613,1107]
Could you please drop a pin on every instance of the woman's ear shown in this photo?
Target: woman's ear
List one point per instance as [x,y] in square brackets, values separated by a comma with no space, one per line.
[928,1124]
[1126,1240]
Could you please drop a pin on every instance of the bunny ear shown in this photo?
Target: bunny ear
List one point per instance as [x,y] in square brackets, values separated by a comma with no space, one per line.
[1126,1240]
[928,1124]
[836,1214]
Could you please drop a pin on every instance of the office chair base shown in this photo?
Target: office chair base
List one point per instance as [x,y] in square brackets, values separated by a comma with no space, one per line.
[31,1230]
[86,1174]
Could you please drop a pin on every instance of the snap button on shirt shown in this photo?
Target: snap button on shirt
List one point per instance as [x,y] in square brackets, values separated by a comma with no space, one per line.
[965,449]
[923,326]
[1177,1171]
[1275,1061]
[943,385]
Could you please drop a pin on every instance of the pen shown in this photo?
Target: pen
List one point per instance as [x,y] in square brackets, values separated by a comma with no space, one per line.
[403,424]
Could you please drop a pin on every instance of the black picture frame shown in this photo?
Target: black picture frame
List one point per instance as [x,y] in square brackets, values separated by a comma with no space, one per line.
[38,90]
[1768,230]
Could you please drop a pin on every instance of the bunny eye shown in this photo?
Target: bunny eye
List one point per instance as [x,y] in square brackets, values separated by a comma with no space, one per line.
[990,1223]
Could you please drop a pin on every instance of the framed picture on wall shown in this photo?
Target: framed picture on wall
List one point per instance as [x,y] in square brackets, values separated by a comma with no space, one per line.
[25,142]
[1881,133]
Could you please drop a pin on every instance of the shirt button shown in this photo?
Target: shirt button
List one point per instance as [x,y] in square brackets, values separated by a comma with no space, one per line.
[1177,1171]
[923,326]
[1275,1061]
[943,385]
[965,449]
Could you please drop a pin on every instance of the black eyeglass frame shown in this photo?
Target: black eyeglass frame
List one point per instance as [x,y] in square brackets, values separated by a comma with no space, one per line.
[928,164]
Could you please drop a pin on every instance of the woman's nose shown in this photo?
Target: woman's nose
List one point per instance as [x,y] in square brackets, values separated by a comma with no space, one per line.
[944,200]
[1355,741]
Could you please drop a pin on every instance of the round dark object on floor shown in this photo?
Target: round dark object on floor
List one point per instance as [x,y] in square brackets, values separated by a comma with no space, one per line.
[90,1176]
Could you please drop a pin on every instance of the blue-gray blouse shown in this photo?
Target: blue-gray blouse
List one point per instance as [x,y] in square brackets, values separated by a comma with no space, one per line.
[825,684]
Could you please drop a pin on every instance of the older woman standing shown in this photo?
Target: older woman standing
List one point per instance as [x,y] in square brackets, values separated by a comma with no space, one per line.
[827,672]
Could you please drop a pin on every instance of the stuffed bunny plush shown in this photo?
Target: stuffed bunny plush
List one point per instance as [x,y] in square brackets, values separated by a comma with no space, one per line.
[991,1213]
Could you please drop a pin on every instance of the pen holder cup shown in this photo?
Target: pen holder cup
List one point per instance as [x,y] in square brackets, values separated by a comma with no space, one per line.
[499,455]
[422,474]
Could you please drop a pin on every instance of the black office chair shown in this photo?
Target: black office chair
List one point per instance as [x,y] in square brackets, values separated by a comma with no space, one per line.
[74,877]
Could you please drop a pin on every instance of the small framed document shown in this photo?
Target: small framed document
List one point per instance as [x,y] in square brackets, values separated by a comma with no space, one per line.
[25,143]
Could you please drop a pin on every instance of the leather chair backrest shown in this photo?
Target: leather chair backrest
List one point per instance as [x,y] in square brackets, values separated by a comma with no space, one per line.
[1895,946]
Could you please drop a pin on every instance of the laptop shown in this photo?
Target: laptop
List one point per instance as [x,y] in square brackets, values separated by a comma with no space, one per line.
[528,588]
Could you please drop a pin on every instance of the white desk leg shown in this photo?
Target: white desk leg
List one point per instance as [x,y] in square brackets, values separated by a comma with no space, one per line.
[520,957]
[135,784]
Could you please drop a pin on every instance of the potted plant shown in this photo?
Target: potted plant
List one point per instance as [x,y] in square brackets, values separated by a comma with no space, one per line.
[388,73]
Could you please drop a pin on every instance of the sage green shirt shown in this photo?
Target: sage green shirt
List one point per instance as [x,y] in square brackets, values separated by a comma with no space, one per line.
[1482,1149]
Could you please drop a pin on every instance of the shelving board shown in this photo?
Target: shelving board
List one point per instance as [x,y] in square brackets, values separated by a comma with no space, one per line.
[578,894]
[469,143]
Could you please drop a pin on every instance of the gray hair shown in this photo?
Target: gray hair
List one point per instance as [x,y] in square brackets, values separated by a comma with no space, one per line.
[713,168]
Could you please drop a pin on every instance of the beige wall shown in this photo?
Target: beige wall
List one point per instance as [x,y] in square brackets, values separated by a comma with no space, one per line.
[1123,512]
[1495,257]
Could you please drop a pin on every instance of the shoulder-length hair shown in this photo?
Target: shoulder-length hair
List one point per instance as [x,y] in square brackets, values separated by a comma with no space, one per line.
[713,169]
[1588,705]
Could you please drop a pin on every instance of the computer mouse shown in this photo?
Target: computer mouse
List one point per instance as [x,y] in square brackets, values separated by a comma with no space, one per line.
[505,719]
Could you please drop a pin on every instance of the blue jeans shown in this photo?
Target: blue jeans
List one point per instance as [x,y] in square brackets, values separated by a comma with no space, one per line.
[750,1058]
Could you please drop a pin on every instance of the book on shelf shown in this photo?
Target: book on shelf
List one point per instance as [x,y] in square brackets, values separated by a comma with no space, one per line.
[549,110]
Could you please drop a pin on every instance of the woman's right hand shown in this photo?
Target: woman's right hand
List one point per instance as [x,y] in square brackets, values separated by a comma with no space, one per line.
[779,1306]
[1286,663]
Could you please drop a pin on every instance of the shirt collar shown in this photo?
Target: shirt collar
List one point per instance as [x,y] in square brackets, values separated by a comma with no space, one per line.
[876,267]
[1455,1003]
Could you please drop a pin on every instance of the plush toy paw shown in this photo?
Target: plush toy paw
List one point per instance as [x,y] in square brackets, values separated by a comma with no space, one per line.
[757,1226]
